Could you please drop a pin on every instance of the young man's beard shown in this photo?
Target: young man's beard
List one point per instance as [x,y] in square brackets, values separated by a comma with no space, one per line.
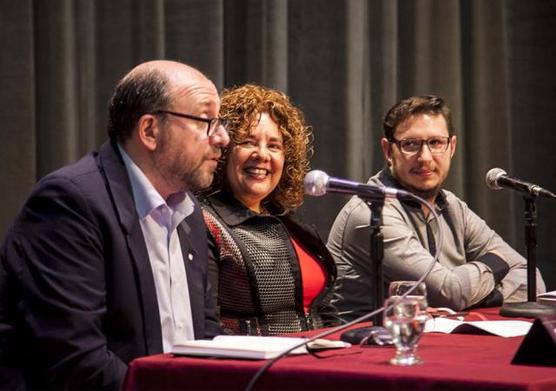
[425,194]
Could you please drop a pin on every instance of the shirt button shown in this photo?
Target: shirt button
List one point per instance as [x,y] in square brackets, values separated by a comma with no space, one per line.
[190,256]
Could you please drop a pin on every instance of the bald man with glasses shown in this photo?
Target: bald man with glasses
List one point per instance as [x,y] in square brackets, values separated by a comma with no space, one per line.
[107,259]
[476,268]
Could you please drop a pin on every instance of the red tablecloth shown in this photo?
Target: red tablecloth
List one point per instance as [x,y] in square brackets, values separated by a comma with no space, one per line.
[451,362]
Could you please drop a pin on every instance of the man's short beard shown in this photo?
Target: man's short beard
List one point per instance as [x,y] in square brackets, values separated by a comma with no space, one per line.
[425,194]
[193,181]
[180,180]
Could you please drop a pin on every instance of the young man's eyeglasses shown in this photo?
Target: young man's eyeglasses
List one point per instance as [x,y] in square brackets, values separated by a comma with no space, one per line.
[411,146]
[212,123]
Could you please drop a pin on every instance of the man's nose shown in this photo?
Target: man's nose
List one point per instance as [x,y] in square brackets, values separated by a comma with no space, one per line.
[221,137]
[425,152]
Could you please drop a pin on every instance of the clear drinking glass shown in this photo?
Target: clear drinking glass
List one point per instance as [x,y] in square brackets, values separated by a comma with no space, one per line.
[398,288]
[405,320]
[395,290]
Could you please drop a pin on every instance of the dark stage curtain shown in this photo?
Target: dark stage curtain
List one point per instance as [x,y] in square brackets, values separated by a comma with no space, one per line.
[343,62]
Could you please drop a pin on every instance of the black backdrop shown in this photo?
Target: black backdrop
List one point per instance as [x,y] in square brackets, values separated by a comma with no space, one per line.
[344,62]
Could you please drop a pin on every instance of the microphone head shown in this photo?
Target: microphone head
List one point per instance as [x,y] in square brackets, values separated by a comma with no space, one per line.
[492,177]
[316,183]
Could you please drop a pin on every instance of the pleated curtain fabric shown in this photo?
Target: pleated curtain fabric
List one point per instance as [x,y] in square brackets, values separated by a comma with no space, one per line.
[344,62]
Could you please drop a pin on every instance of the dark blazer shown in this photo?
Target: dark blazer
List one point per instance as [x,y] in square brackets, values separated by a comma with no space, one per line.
[78,297]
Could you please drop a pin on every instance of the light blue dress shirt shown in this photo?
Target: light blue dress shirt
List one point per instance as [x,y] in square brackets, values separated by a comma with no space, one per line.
[159,219]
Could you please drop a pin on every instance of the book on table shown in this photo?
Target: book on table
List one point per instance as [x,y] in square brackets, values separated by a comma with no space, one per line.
[251,347]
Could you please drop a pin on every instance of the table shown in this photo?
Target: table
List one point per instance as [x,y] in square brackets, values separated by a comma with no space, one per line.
[451,362]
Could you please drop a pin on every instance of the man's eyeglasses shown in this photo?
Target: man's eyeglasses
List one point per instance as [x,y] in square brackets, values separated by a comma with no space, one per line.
[212,123]
[411,146]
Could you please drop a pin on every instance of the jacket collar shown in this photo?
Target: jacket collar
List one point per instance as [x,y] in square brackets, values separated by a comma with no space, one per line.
[112,166]
[230,210]
[118,181]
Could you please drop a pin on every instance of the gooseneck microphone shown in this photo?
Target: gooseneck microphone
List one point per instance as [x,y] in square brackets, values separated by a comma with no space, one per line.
[496,179]
[318,183]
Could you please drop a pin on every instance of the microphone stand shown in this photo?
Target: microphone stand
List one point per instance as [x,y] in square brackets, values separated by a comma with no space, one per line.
[375,202]
[376,246]
[531,243]
[530,308]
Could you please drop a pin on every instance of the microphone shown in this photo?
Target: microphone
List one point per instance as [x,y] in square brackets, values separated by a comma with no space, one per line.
[496,179]
[318,183]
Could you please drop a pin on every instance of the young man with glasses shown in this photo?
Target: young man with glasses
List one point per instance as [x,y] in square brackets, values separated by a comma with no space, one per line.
[107,260]
[476,267]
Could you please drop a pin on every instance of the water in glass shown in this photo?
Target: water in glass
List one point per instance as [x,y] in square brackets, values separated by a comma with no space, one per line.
[405,320]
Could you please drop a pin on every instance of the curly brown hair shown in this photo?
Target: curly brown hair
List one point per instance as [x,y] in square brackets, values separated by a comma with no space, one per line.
[241,107]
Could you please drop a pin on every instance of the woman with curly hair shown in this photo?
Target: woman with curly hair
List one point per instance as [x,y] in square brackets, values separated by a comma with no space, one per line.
[270,273]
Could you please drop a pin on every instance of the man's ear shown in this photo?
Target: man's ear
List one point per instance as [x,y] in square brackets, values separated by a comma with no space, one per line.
[148,130]
[386,148]
[453,143]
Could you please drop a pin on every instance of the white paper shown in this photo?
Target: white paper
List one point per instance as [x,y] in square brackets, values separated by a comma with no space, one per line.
[547,297]
[502,328]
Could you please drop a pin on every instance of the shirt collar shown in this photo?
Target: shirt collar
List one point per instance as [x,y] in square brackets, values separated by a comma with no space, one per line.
[147,198]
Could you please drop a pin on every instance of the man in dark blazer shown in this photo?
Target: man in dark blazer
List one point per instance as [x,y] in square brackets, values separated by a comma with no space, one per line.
[80,293]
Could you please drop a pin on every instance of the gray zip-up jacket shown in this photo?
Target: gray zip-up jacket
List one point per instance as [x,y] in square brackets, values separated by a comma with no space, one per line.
[475,268]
